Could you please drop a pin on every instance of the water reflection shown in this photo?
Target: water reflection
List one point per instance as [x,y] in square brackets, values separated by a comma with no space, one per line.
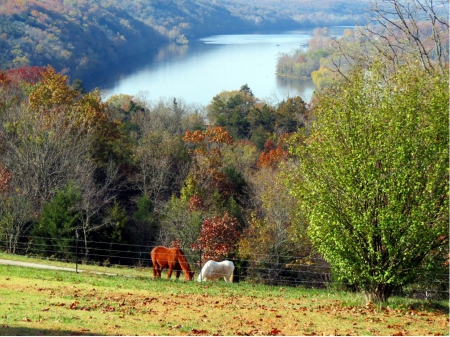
[171,50]
[204,68]
[304,88]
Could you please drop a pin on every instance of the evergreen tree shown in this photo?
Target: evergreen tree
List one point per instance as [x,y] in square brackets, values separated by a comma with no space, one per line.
[54,235]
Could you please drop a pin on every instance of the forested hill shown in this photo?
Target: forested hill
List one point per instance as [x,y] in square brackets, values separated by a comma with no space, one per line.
[79,36]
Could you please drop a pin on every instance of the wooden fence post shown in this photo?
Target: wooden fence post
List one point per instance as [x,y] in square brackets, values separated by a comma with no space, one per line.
[76,254]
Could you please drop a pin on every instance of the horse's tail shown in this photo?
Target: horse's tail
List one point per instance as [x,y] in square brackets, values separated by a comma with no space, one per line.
[153,254]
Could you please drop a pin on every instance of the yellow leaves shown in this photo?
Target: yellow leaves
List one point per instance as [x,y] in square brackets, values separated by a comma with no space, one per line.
[52,91]
[53,103]
[90,111]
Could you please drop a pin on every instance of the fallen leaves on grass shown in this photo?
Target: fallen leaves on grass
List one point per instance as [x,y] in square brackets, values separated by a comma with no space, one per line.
[199,332]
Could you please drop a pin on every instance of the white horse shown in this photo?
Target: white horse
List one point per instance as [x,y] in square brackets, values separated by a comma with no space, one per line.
[213,270]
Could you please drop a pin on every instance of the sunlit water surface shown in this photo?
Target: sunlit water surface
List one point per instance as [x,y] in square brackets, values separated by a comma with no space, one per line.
[196,72]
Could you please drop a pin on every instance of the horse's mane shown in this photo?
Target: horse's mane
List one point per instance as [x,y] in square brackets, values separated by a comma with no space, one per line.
[181,258]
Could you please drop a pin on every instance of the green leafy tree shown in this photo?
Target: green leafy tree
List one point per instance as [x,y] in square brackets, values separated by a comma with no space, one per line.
[291,114]
[77,85]
[180,221]
[55,233]
[111,236]
[144,227]
[373,177]
[230,109]
[262,121]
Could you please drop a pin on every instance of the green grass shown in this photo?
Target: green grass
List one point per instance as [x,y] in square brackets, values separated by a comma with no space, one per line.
[114,269]
[49,302]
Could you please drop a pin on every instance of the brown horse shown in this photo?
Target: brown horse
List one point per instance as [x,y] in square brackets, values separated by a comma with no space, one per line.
[172,258]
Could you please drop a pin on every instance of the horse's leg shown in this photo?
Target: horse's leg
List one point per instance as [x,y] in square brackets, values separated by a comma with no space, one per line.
[169,272]
[155,270]
[178,274]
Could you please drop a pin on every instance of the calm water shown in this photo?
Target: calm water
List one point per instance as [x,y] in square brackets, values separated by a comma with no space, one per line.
[197,72]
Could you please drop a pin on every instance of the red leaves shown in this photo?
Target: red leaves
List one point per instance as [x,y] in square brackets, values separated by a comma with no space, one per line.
[74,305]
[218,237]
[195,203]
[275,332]
[272,156]
[26,74]
[199,332]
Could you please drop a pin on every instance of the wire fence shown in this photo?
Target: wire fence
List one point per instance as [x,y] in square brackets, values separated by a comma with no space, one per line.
[276,269]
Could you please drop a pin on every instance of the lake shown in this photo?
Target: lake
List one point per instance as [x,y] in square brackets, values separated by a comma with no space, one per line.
[196,72]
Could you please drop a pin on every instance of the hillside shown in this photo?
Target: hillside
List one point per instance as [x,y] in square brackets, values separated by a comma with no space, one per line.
[78,36]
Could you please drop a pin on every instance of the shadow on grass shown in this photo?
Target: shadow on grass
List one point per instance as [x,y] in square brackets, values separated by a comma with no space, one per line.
[24,331]
[431,305]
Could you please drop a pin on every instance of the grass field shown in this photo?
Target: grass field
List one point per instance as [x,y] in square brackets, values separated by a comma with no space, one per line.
[49,302]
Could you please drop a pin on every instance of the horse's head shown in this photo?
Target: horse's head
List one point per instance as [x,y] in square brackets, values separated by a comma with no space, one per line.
[189,275]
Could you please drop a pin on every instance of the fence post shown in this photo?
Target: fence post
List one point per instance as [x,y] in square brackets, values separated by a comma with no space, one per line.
[201,276]
[76,254]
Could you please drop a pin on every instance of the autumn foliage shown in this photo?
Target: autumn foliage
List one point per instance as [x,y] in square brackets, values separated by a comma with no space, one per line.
[218,237]
[208,156]
[5,177]
[31,75]
[272,155]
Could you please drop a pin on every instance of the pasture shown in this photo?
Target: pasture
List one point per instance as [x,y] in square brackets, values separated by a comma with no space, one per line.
[49,302]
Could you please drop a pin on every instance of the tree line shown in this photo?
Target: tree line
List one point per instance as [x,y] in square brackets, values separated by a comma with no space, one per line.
[359,176]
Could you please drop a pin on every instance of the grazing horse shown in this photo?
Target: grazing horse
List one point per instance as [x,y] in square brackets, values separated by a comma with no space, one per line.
[213,270]
[172,258]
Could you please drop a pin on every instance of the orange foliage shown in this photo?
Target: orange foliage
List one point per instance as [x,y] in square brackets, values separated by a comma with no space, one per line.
[5,177]
[272,156]
[206,139]
[195,203]
[209,158]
